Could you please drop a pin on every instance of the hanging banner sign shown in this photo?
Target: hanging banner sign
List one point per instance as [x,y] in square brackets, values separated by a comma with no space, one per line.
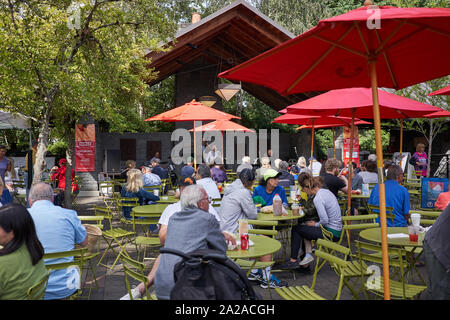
[346,145]
[84,147]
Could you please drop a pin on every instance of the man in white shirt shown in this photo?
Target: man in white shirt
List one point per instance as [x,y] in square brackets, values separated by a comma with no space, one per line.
[204,179]
[316,167]
[163,222]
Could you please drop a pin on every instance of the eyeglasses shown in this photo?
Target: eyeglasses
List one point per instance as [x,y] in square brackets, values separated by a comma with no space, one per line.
[208,198]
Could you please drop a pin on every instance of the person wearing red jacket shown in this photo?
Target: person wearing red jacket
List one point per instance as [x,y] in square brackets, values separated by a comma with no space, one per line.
[60,175]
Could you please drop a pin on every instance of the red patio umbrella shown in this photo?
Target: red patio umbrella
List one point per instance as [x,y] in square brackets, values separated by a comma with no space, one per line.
[444,92]
[222,125]
[192,111]
[438,114]
[370,46]
[314,121]
[332,126]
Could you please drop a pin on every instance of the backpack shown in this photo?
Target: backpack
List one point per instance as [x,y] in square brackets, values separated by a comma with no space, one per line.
[209,274]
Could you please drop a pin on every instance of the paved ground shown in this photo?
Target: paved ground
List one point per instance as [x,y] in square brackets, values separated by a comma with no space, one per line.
[111,283]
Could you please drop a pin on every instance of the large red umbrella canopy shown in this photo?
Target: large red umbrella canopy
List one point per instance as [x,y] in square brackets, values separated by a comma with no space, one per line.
[411,46]
[439,114]
[222,125]
[329,121]
[327,126]
[444,92]
[342,101]
[192,111]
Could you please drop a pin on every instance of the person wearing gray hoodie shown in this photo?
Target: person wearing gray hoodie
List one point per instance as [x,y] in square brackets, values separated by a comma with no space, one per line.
[237,202]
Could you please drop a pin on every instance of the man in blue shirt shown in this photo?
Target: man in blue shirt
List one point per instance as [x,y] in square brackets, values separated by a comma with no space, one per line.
[397,197]
[58,229]
[270,188]
[150,179]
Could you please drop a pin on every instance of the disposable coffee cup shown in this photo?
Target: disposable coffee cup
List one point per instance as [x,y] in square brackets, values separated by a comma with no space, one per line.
[243,226]
[156,192]
[415,219]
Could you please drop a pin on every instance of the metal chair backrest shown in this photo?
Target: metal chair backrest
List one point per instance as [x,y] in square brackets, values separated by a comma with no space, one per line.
[37,291]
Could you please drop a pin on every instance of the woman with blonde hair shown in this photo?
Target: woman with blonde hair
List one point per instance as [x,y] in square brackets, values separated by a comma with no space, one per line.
[301,165]
[420,160]
[133,189]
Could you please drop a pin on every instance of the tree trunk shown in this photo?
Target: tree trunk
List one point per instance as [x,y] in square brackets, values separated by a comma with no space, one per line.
[40,164]
[430,144]
[70,138]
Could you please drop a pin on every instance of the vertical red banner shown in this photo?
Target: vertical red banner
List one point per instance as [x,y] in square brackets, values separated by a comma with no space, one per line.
[84,147]
[346,147]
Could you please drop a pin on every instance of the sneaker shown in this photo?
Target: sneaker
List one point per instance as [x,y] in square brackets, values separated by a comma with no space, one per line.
[289,265]
[306,260]
[256,276]
[134,292]
[274,283]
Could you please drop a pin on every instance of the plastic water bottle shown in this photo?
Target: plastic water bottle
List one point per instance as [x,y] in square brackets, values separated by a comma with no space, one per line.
[277,205]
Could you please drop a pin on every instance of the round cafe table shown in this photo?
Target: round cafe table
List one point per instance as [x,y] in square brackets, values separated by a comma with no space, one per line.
[271,217]
[167,200]
[149,209]
[413,249]
[262,246]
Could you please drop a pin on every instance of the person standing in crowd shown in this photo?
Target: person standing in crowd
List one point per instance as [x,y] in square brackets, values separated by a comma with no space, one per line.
[332,178]
[286,179]
[58,229]
[133,189]
[21,263]
[59,175]
[420,160]
[436,248]
[397,197]
[188,170]
[4,162]
[269,187]
[329,214]
[245,164]
[150,179]
[194,215]
[204,179]
[265,165]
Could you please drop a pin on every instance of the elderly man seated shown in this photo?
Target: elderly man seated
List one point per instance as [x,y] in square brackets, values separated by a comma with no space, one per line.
[190,229]
[58,229]
[150,179]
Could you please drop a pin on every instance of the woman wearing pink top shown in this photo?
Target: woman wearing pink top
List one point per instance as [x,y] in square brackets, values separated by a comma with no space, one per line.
[420,161]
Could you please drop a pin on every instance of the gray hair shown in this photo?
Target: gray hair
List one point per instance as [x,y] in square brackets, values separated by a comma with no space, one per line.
[191,195]
[40,191]
[372,157]
[246,159]
[283,165]
[265,161]
[393,172]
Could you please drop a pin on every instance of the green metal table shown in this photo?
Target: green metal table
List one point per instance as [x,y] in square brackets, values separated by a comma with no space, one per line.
[271,217]
[413,249]
[262,246]
[149,209]
[167,200]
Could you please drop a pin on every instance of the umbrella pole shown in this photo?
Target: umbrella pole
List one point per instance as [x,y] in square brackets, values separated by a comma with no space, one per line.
[350,171]
[381,185]
[401,141]
[312,146]
[195,148]
[334,147]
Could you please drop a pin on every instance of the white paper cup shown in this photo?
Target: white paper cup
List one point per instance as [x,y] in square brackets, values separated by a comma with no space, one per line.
[415,219]
[156,192]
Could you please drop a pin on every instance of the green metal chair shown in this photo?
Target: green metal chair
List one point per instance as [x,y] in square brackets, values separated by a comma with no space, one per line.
[37,291]
[78,261]
[339,264]
[135,270]
[375,284]
[389,212]
[112,236]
